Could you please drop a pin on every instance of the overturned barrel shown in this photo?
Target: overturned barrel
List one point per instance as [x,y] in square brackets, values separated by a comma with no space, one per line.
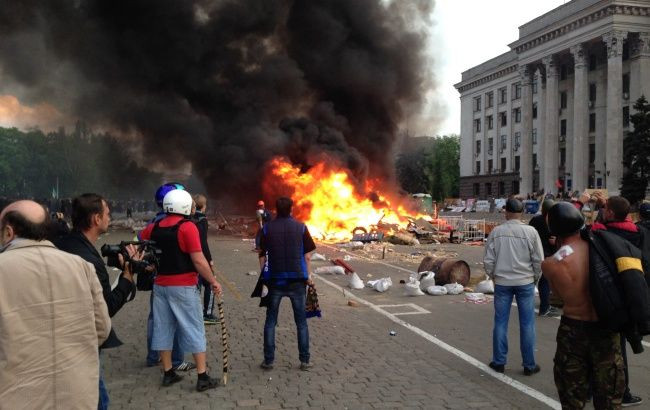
[447,270]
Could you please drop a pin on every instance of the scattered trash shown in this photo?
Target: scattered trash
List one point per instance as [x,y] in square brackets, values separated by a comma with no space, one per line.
[427,279]
[436,290]
[413,288]
[403,239]
[380,285]
[344,265]
[235,250]
[330,270]
[252,273]
[475,297]
[402,281]
[369,275]
[352,303]
[392,333]
[318,257]
[347,258]
[454,288]
[485,286]
[467,289]
[355,282]
[353,245]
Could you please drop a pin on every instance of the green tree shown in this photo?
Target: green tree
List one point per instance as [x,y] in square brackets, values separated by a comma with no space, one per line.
[636,154]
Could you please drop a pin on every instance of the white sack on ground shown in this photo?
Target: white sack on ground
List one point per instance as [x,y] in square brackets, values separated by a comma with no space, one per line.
[317,257]
[454,288]
[427,279]
[380,285]
[330,270]
[413,288]
[355,282]
[485,286]
[436,290]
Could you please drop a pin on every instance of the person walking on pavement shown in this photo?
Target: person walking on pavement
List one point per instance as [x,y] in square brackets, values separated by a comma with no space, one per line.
[548,243]
[263,216]
[286,248]
[176,301]
[513,257]
[201,221]
[588,354]
[53,317]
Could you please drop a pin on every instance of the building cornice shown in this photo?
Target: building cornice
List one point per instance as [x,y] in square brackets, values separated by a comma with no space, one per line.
[462,87]
[522,45]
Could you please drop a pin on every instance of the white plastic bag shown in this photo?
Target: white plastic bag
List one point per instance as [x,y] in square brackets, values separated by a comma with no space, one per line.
[436,290]
[413,288]
[454,288]
[355,282]
[475,297]
[317,257]
[485,286]
[427,279]
[380,285]
[330,270]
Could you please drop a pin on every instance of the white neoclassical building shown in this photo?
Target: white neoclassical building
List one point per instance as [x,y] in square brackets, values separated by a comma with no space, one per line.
[553,111]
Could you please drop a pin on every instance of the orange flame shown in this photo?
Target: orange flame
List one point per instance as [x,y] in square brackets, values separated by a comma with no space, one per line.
[328,201]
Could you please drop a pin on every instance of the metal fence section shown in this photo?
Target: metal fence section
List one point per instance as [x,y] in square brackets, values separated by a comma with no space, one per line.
[472,230]
[455,222]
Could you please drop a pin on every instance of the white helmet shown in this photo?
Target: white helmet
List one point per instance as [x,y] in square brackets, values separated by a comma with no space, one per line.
[177,201]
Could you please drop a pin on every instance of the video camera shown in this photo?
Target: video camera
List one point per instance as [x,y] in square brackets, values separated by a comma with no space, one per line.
[149,257]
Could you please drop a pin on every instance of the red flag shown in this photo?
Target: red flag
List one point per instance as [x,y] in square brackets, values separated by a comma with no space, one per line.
[558,183]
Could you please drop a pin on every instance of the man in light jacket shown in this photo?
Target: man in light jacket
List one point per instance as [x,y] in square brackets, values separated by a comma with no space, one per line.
[52,317]
[513,258]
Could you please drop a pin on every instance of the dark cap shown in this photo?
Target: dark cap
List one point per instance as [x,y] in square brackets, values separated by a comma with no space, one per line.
[546,205]
[514,206]
[644,210]
[564,219]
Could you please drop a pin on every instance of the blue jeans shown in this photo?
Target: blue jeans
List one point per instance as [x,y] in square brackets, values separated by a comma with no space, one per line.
[525,296]
[544,294]
[295,291]
[153,355]
[103,393]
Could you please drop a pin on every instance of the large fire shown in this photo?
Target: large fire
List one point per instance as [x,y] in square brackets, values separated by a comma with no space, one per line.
[328,201]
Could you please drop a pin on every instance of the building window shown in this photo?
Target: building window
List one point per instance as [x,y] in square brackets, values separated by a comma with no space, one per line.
[534,86]
[626,51]
[516,91]
[563,100]
[490,146]
[517,140]
[502,188]
[488,188]
[563,72]
[534,134]
[489,99]
[504,143]
[477,104]
[626,86]
[515,187]
[503,95]
[478,147]
[503,165]
[490,168]
[490,122]
[593,62]
[562,156]
[534,161]
[592,122]
[504,118]
[517,163]
[592,154]
[517,113]
[626,116]
[477,189]
[534,111]
[477,125]
[592,92]
[563,128]
[478,167]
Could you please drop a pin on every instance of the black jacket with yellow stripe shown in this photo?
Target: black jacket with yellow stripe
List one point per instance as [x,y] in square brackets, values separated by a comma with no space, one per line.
[619,291]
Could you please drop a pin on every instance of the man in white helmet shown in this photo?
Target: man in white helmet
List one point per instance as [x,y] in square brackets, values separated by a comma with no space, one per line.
[176,304]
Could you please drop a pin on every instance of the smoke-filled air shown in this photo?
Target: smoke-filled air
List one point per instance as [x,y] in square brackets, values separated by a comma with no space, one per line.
[227,85]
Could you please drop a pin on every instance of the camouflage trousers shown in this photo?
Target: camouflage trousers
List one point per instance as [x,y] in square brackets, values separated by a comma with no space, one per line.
[588,361]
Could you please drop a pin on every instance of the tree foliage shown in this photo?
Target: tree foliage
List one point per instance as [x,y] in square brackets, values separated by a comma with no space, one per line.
[32,161]
[432,168]
[636,154]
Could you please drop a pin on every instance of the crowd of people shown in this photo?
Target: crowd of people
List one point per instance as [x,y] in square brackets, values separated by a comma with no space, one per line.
[56,299]
[600,272]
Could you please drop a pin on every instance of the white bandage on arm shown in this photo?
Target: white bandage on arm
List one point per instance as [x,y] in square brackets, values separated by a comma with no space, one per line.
[563,252]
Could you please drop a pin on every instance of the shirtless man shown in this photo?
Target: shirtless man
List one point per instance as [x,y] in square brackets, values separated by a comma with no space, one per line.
[586,354]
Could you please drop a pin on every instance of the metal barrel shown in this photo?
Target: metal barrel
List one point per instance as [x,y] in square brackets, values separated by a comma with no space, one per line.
[447,270]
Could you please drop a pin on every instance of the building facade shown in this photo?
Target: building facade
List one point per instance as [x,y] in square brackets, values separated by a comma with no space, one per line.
[552,112]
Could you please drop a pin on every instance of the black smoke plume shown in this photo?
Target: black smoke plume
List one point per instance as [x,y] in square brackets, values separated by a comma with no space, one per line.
[226,84]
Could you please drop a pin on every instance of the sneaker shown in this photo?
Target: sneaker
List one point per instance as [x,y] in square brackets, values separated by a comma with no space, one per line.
[206,384]
[185,366]
[529,372]
[305,366]
[631,400]
[266,366]
[551,312]
[168,380]
[210,320]
[499,368]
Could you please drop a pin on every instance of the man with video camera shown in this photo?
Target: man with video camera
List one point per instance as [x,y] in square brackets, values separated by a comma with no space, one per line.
[90,219]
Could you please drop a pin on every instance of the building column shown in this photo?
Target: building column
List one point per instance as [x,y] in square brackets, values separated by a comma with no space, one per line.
[526,146]
[614,130]
[639,68]
[550,159]
[580,139]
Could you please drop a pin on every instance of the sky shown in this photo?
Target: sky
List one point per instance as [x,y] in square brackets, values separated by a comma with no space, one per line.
[465,34]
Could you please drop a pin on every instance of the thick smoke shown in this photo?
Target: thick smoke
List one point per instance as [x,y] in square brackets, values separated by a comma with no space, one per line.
[226,84]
